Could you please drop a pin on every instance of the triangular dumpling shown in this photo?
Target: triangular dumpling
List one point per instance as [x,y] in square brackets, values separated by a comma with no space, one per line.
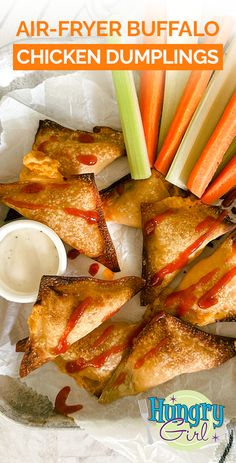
[92,360]
[79,152]
[175,231]
[167,347]
[72,208]
[207,292]
[122,200]
[67,309]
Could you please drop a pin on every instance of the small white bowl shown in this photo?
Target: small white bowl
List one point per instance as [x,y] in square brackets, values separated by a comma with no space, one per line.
[6,290]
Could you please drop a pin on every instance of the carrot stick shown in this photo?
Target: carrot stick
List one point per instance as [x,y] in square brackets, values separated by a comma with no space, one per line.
[222,184]
[195,87]
[192,95]
[152,85]
[150,100]
[214,150]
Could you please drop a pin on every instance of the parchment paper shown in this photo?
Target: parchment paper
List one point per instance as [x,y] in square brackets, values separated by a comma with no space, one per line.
[82,100]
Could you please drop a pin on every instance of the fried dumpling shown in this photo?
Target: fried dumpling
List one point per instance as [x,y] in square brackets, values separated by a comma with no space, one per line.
[40,167]
[72,208]
[122,200]
[79,152]
[207,292]
[92,360]
[67,309]
[175,231]
[167,347]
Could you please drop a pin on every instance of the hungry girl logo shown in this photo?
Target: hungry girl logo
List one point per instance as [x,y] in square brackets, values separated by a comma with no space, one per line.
[186,419]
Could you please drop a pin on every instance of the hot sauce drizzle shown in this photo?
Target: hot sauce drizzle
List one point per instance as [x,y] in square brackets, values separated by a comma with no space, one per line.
[100,359]
[151,224]
[23,204]
[96,362]
[90,216]
[37,187]
[32,188]
[110,315]
[60,403]
[73,320]
[87,159]
[72,254]
[205,224]
[139,363]
[86,138]
[93,269]
[210,297]
[185,298]
[108,330]
[183,257]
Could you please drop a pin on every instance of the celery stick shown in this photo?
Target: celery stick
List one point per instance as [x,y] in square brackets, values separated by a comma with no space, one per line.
[131,123]
[208,113]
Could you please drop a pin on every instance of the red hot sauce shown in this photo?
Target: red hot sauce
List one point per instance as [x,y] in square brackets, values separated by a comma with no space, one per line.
[60,403]
[73,320]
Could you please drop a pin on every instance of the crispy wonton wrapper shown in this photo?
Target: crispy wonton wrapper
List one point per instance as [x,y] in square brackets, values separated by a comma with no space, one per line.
[122,200]
[76,151]
[67,309]
[92,360]
[207,293]
[175,231]
[39,167]
[72,208]
[167,347]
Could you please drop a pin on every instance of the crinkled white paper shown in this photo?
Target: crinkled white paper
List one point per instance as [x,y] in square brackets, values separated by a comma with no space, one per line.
[82,100]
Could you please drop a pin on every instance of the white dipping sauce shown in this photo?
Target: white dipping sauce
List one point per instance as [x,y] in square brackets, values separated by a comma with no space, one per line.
[26,255]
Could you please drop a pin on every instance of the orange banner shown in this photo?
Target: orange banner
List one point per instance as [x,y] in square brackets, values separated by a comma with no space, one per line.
[117,56]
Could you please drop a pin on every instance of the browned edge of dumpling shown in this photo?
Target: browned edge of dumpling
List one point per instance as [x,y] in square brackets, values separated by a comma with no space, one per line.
[109,257]
[59,283]
[45,124]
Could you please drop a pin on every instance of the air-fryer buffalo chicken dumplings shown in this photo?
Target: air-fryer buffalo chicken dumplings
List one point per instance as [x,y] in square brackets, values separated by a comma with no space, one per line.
[165,348]
[207,292]
[72,208]
[77,151]
[175,231]
[67,309]
[72,322]
[122,200]
[92,360]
